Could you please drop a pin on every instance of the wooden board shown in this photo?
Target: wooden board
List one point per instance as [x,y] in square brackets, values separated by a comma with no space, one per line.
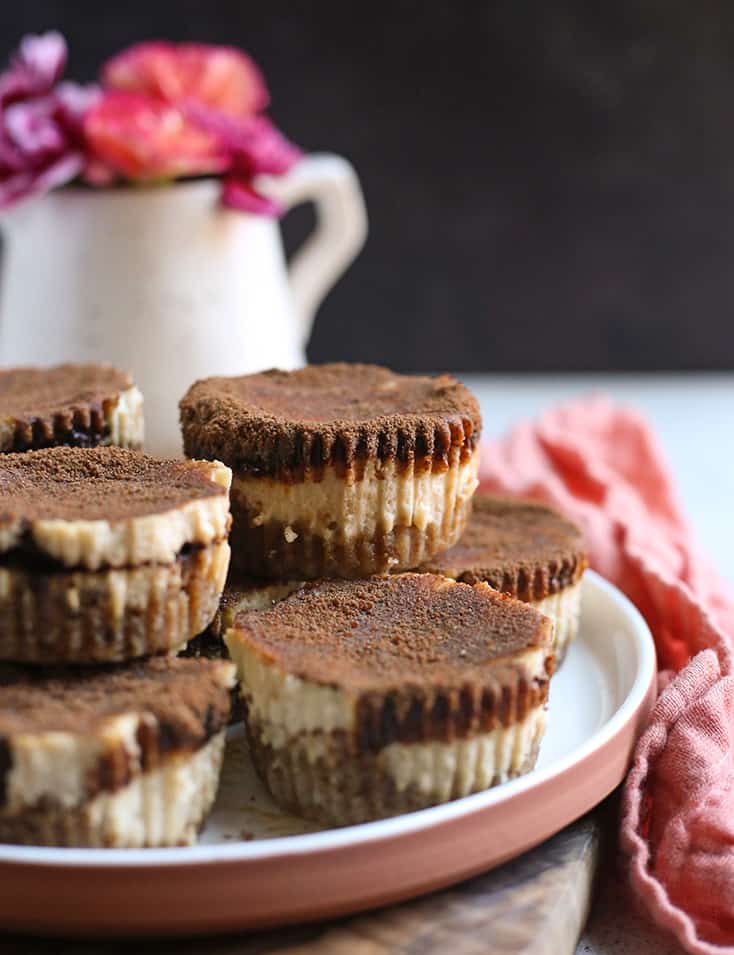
[534,905]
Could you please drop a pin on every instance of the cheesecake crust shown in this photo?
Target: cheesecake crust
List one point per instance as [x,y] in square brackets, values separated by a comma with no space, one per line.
[368,790]
[521,548]
[71,404]
[109,506]
[278,549]
[421,657]
[291,424]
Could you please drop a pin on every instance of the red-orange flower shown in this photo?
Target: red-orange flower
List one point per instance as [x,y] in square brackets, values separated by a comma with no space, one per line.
[176,109]
[219,77]
[147,139]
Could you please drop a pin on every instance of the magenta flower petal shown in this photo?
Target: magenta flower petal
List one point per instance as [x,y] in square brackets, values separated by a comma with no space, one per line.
[22,185]
[266,150]
[31,127]
[60,172]
[15,187]
[11,158]
[256,145]
[40,121]
[44,56]
[34,69]
[220,77]
[74,102]
[17,83]
[241,195]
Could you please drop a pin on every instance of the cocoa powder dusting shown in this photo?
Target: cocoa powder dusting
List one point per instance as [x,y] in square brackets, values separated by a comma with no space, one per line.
[283,424]
[27,393]
[188,698]
[66,404]
[523,548]
[97,484]
[392,632]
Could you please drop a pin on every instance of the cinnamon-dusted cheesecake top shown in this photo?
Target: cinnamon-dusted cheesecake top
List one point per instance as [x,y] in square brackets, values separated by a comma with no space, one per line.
[289,421]
[65,404]
[97,506]
[188,699]
[383,634]
[523,548]
[111,484]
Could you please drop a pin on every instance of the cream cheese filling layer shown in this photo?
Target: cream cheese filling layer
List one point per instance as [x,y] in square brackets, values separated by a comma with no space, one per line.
[387,496]
[284,703]
[446,771]
[151,538]
[162,807]
[125,421]
[286,706]
[564,609]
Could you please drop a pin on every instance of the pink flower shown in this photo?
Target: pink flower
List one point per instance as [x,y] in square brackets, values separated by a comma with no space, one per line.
[255,145]
[219,77]
[41,144]
[218,91]
[147,139]
[239,194]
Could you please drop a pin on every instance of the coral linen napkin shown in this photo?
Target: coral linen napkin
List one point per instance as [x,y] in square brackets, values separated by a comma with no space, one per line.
[601,465]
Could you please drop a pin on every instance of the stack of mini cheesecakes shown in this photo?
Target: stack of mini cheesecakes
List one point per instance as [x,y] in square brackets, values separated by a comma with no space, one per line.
[394,651]
[393,632]
[109,561]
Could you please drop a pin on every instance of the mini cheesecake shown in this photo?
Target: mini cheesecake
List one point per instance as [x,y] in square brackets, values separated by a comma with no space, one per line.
[117,756]
[524,549]
[80,406]
[107,554]
[339,470]
[370,698]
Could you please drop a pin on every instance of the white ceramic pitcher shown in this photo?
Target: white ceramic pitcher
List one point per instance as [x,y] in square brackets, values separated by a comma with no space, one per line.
[165,282]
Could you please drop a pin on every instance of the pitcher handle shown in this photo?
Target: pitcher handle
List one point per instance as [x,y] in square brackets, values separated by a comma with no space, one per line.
[331,183]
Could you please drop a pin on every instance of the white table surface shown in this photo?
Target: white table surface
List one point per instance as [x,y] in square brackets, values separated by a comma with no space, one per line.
[693,416]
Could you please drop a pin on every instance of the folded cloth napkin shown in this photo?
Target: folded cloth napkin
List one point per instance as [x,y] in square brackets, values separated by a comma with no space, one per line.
[601,465]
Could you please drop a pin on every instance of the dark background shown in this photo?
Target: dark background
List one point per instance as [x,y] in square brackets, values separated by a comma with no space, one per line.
[550,184]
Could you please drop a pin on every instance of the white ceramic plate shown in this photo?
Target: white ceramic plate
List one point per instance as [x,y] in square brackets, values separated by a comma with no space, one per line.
[256,866]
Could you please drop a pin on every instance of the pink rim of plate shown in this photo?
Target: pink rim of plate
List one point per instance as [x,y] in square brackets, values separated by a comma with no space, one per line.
[238,886]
